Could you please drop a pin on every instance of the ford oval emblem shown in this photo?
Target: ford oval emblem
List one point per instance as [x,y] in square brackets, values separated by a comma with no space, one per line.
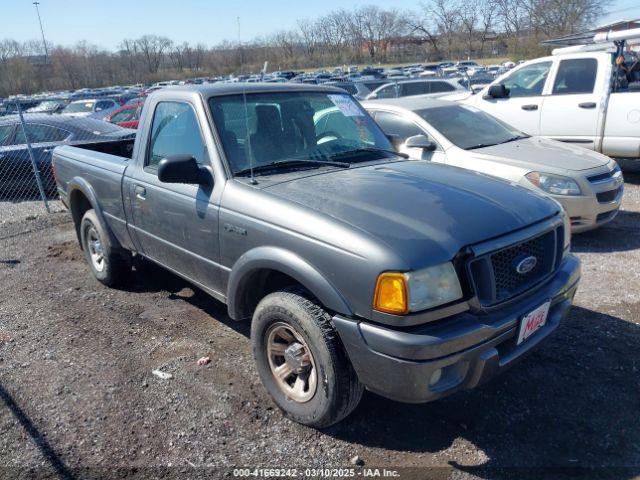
[525,265]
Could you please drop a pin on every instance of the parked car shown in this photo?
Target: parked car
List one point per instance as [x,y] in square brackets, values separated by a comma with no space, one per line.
[571,97]
[49,106]
[587,184]
[465,65]
[44,133]
[359,268]
[127,116]
[345,85]
[408,88]
[84,108]
[475,83]
[365,87]
[374,72]
[10,106]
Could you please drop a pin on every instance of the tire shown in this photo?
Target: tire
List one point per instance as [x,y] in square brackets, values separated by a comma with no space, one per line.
[115,263]
[337,390]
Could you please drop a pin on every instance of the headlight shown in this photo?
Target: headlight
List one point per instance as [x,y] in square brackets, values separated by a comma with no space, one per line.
[400,293]
[554,184]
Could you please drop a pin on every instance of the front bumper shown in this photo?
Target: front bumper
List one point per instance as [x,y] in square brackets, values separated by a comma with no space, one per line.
[588,211]
[467,349]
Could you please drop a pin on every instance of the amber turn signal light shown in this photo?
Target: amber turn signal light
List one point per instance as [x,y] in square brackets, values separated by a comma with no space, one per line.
[391,294]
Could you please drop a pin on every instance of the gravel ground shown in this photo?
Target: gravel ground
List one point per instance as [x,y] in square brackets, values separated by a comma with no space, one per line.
[78,399]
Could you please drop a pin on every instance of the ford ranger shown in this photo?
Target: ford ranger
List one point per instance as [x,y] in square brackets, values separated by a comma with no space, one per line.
[357,267]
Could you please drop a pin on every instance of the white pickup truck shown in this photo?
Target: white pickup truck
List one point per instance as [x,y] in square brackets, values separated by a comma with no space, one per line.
[575,97]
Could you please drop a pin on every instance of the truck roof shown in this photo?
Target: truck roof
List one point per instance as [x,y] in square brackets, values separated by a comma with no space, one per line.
[209,90]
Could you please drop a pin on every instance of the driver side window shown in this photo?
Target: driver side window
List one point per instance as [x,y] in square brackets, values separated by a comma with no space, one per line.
[528,81]
[175,130]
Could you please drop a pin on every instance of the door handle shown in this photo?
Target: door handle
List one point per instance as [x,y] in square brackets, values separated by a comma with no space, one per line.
[48,150]
[141,192]
[587,105]
[529,107]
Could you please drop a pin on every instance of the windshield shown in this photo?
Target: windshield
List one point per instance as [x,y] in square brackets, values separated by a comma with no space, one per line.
[467,127]
[78,107]
[311,128]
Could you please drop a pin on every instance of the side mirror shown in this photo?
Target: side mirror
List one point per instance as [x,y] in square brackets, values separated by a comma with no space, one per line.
[420,141]
[182,169]
[497,91]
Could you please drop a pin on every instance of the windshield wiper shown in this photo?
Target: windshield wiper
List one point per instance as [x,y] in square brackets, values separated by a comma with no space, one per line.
[289,164]
[481,145]
[357,151]
[513,139]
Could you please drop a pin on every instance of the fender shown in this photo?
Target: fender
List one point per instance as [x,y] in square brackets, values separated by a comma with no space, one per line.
[78,184]
[290,264]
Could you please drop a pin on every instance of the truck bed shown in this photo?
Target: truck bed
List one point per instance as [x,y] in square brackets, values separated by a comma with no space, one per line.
[100,164]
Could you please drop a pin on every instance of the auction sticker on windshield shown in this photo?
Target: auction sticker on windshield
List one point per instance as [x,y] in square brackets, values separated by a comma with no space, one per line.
[533,322]
[347,106]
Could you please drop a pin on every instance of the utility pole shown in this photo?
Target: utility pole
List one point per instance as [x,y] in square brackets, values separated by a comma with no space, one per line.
[44,41]
[240,53]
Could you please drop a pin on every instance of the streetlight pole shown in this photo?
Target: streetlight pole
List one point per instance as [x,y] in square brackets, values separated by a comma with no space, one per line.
[44,42]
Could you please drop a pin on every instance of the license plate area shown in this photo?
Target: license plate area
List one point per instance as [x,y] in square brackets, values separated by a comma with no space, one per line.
[532,322]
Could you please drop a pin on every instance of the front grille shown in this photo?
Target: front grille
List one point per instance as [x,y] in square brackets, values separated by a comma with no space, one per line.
[602,177]
[496,277]
[608,197]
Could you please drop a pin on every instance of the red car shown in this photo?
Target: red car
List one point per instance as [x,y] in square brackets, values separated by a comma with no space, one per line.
[127,116]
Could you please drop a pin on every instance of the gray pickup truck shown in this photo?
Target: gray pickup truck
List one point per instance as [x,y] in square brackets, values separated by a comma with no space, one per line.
[357,267]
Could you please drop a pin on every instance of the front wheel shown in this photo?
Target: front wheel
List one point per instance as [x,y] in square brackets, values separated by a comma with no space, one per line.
[301,360]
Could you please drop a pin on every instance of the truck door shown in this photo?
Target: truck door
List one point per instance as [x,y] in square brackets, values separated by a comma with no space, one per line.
[572,112]
[521,109]
[176,224]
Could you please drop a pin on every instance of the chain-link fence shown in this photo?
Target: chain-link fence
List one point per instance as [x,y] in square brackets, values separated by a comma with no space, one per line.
[28,193]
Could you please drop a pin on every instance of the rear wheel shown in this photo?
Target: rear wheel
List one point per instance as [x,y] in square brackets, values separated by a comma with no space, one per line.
[301,360]
[110,264]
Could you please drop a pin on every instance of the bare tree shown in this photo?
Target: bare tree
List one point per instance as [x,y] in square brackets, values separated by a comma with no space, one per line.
[487,14]
[469,18]
[446,15]
[152,48]
[451,28]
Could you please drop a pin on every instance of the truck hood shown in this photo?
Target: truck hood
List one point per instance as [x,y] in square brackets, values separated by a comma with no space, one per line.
[542,154]
[422,211]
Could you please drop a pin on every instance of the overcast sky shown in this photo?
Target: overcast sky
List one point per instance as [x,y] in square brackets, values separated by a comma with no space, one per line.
[106,23]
